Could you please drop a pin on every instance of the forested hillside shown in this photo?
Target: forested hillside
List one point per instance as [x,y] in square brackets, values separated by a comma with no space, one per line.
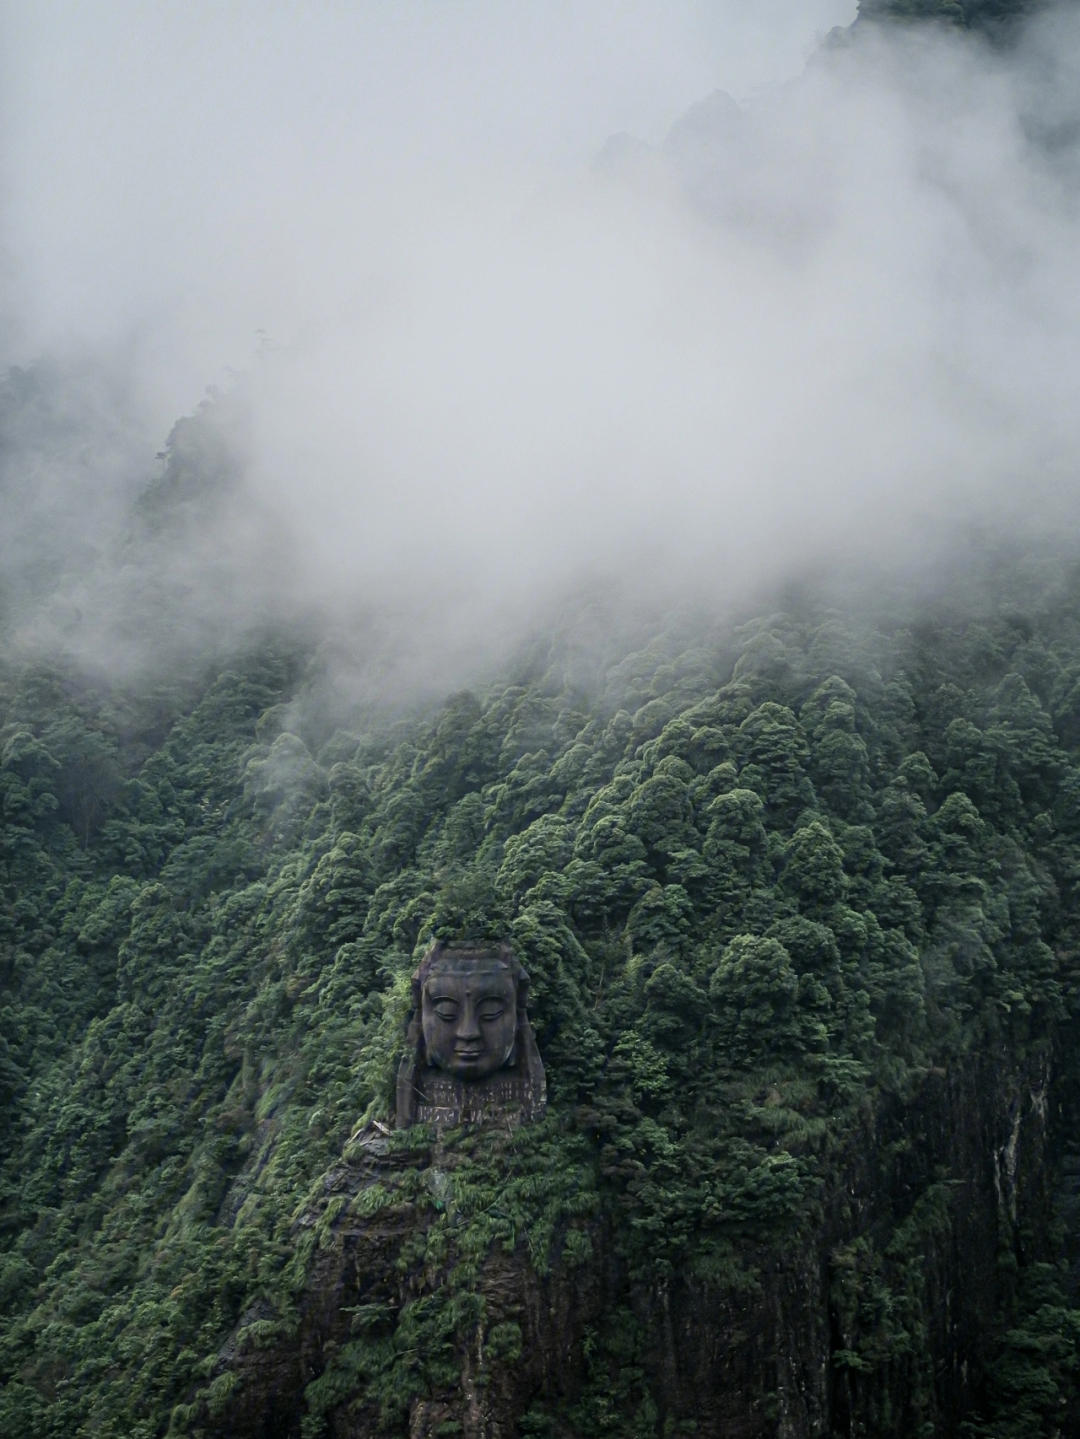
[792,891]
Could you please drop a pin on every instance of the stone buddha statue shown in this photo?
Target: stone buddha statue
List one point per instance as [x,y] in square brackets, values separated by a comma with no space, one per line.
[471,1053]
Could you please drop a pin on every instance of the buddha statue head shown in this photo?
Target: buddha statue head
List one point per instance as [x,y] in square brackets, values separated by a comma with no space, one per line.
[470,1051]
[471,1003]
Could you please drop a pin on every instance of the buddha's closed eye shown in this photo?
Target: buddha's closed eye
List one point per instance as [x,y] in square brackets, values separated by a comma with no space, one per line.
[446,1009]
[492,1009]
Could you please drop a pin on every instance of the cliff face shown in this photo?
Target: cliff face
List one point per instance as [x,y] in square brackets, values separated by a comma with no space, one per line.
[513,1337]
[878,1320]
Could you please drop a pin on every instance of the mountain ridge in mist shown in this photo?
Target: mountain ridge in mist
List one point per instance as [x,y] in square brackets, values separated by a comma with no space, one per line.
[828,325]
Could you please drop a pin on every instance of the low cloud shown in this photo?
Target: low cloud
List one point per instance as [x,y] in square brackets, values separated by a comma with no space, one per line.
[828,324]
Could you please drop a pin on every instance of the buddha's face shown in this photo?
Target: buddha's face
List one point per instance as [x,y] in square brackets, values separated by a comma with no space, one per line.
[469,1015]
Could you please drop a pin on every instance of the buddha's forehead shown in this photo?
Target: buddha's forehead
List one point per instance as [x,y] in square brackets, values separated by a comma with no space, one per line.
[471,973]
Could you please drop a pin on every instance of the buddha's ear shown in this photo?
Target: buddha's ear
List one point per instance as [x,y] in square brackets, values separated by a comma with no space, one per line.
[414,1036]
[420,1041]
[521,982]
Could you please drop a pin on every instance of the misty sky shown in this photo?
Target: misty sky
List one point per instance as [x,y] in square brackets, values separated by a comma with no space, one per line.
[827,313]
[176,165]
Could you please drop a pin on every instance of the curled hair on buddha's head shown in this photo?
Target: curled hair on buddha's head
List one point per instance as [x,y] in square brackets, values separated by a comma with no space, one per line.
[441,951]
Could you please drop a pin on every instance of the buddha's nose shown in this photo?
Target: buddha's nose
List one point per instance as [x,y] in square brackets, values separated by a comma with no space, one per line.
[469,1028]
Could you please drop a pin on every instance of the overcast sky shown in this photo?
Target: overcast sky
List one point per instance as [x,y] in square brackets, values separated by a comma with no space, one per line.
[179,166]
[832,317]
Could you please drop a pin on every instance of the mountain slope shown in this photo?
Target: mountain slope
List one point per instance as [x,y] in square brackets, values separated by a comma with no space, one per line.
[791,895]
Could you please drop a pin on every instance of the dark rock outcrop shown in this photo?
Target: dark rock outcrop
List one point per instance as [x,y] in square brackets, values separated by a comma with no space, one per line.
[878,1319]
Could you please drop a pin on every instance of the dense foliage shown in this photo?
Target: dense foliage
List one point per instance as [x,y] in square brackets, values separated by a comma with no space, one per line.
[996,17]
[766,880]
